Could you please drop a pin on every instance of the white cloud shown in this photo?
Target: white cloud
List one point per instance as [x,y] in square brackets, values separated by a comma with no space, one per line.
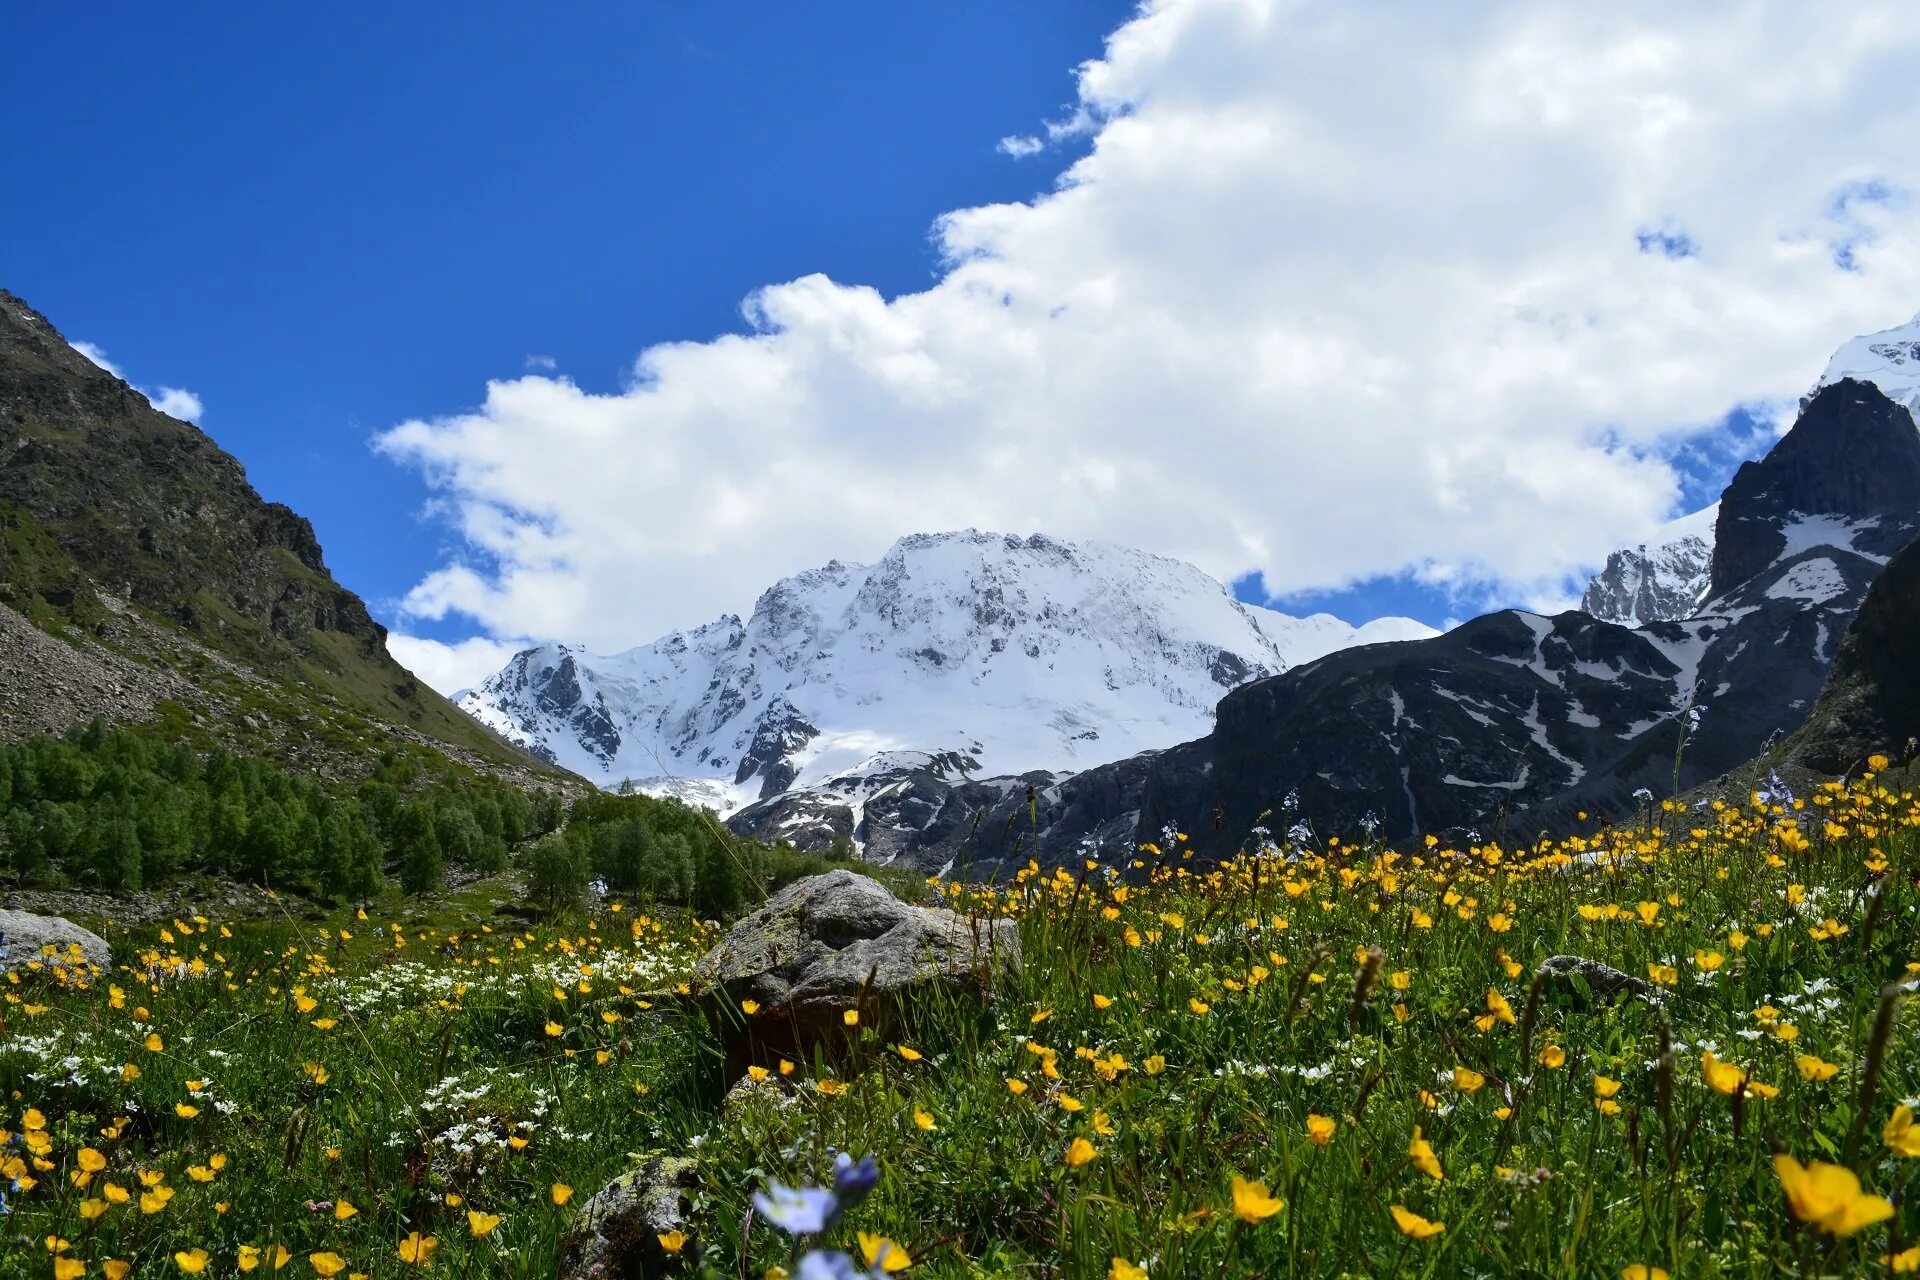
[542,362]
[99,357]
[1020,146]
[451,668]
[177,402]
[1337,291]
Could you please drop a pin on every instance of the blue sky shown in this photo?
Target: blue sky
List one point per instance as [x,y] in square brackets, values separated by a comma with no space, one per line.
[1338,303]
[324,220]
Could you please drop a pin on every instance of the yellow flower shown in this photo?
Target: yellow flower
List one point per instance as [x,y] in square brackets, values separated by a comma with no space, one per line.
[69,1269]
[1121,1269]
[1641,1271]
[326,1264]
[1707,960]
[1198,1005]
[1905,1260]
[1423,1157]
[481,1224]
[90,1160]
[418,1249]
[1320,1129]
[249,1257]
[883,1254]
[925,1120]
[1412,1224]
[673,1241]
[343,1209]
[911,1055]
[1467,1080]
[561,1193]
[1016,1087]
[154,1044]
[193,1262]
[154,1200]
[1901,1133]
[1605,1086]
[1814,1068]
[116,1268]
[749,1007]
[185,1110]
[1079,1152]
[851,1017]
[1154,1065]
[1553,1057]
[1829,1196]
[1252,1202]
[1106,1002]
[1722,1077]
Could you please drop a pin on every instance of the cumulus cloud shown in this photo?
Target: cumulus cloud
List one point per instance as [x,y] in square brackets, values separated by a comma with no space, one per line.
[542,362]
[175,401]
[451,668]
[99,357]
[1335,291]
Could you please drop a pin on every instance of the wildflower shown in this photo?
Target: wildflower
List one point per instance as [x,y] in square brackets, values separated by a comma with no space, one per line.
[1102,1002]
[910,1055]
[418,1249]
[1154,1065]
[1080,1152]
[883,1255]
[343,1209]
[851,1017]
[1421,1152]
[1320,1129]
[1412,1224]
[481,1224]
[1467,1080]
[1553,1057]
[749,1007]
[1722,1077]
[1121,1269]
[185,1110]
[1252,1202]
[561,1193]
[1198,1005]
[1901,1134]
[326,1264]
[1816,1069]
[798,1211]
[1016,1087]
[1641,1271]
[1829,1196]
[673,1241]
[924,1119]
[192,1261]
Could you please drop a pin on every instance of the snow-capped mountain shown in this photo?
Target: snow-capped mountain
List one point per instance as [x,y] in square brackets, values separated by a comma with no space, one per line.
[1661,579]
[983,652]
[1889,359]
[1665,578]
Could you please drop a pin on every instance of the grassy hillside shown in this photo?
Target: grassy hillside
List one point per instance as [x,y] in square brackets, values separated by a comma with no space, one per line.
[138,541]
[1331,1061]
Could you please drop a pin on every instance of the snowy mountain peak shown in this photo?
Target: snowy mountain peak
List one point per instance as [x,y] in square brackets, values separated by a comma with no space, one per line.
[1661,579]
[996,653]
[1890,359]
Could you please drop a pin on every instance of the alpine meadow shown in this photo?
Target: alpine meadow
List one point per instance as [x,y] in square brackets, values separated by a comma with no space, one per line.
[1321,681]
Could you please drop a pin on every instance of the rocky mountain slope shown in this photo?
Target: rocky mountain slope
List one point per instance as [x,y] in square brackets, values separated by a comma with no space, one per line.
[1658,580]
[133,545]
[968,652]
[1510,721]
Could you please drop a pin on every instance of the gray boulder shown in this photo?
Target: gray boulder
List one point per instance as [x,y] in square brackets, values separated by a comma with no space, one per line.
[25,938]
[616,1234]
[1605,982]
[835,942]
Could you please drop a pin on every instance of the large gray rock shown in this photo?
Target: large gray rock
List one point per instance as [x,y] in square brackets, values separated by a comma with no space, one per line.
[616,1234]
[24,938]
[835,942]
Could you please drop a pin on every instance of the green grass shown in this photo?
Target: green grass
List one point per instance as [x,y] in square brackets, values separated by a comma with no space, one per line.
[1234,1003]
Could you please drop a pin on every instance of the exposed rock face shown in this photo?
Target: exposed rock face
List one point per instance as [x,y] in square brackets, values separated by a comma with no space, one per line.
[835,942]
[1657,581]
[1871,702]
[26,938]
[616,1234]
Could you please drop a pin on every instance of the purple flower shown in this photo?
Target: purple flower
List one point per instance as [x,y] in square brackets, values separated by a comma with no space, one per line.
[798,1211]
[853,1179]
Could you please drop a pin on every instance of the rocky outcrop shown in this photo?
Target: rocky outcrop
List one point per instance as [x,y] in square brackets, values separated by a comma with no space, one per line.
[1871,702]
[1659,580]
[27,939]
[835,943]
[616,1234]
